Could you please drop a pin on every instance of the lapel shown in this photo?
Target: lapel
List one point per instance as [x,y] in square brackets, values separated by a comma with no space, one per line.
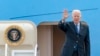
[72,26]
[81,28]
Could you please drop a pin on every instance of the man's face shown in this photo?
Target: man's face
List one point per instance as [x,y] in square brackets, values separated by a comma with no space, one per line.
[76,17]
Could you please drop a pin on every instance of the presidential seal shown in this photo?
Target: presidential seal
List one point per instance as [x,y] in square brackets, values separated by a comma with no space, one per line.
[14,35]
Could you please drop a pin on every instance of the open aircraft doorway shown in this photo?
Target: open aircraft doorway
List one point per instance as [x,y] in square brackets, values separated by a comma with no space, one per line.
[50,39]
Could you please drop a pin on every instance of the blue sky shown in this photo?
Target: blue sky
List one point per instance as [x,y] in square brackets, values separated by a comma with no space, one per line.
[17,8]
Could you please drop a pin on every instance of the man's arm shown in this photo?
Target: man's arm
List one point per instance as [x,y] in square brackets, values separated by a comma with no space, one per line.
[87,43]
[62,24]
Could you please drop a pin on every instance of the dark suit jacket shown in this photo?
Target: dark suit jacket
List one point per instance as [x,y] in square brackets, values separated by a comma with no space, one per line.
[72,38]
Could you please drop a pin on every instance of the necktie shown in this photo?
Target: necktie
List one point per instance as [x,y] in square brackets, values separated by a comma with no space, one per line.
[76,26]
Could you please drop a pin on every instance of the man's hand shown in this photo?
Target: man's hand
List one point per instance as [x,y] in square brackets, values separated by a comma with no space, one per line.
[65,15]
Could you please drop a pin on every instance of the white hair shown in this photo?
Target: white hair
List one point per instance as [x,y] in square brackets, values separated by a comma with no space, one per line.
[76,10]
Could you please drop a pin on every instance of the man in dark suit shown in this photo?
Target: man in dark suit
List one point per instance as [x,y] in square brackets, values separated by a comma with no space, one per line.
[77,41]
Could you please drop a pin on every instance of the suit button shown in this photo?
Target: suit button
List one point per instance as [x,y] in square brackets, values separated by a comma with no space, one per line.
[76,41]
[74,46]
